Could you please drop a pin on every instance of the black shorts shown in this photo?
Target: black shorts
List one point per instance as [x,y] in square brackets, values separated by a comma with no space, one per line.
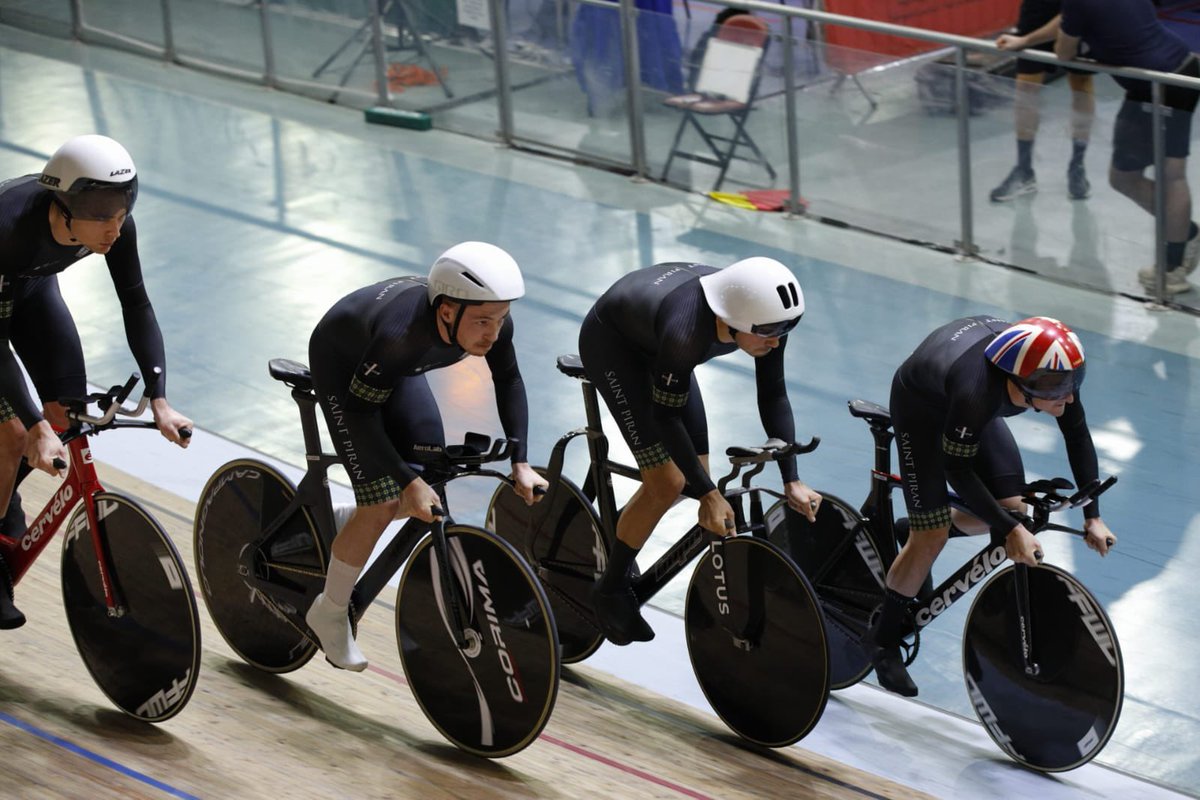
[411,420]
[622,375]
[1027,66]
[922,465]
[1034,15]
[45,339]
[1133,130]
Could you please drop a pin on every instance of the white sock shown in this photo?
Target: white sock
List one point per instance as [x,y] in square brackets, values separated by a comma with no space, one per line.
[339,581]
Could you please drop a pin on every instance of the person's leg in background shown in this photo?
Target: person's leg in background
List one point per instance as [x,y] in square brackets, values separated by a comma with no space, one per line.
[1021,180]
[1133,153]
[1083,111]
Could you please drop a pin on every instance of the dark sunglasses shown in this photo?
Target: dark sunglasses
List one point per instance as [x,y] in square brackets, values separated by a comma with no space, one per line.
[772,330]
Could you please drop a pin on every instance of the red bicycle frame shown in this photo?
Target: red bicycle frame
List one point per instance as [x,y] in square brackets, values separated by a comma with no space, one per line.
[81,483]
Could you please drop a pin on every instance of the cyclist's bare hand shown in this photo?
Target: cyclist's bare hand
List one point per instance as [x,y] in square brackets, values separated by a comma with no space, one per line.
[802,499]
[1022,546]
[418,500]
[170,422]
[1098,537]
[1008,41]
[716,514]
[43,447]
[525,481]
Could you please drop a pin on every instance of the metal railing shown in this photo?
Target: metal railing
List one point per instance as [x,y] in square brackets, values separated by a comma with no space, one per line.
[374,28]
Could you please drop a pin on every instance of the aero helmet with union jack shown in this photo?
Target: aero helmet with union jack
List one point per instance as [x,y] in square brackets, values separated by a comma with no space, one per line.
[1041,355]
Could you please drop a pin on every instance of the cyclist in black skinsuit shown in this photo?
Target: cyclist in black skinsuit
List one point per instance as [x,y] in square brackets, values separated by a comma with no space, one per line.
[80,204]
[369,355]
[640,344]
[948,404]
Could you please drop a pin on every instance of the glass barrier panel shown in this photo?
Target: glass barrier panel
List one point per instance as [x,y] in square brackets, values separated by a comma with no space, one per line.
[568,76]
[1045,200]
[877,142]
[328,42]
[219,33]
[444,64]
[44,16]
[725,128]
[132,19]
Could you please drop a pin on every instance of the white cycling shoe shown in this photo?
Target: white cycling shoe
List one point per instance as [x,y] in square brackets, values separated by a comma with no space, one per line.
[331,624]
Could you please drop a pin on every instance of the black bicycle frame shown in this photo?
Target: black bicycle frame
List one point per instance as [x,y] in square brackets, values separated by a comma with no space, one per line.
[598,488]
[879,512]
[313,493]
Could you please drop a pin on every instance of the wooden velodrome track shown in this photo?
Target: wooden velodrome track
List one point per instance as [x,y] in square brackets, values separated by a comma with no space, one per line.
[321,732]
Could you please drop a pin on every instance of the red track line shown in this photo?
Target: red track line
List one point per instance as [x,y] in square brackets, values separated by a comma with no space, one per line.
[624,767]
[646,776]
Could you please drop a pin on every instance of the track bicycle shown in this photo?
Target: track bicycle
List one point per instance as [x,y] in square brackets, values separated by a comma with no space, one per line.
[1041,660]
[475,631]
[755,631]
[126,592]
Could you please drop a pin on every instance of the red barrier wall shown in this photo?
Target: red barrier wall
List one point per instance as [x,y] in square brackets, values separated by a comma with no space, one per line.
[965,17]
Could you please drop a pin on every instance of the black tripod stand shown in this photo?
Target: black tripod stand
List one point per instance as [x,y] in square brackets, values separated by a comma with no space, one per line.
[407,33]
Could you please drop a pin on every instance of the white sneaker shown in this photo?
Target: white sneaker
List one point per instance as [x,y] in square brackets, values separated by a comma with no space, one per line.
[331,624]
[1177,282]
[1191,255]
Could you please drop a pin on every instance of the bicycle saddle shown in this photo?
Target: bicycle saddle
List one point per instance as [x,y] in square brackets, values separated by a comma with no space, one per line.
[572,366]
[292,373]
[871,412]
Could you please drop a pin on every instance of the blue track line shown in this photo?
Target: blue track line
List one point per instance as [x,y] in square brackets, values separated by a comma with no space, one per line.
[96,757]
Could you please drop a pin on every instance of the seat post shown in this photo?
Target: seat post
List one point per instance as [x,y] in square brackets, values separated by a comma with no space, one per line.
[307,402]
[591,404]
[878,507]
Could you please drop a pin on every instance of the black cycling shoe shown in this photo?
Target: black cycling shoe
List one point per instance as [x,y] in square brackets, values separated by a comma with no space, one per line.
[10,617]
[891,672]
[619,617]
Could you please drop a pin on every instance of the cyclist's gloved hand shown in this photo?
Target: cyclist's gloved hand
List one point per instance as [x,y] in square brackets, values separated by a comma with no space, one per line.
[716,514]
[802,499]
[1022,546]
[418,500]
[170,422]
[526,481]
[1098,537]
[43,447]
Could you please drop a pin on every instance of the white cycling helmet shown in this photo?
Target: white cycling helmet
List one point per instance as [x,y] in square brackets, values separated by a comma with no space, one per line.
[755,295]
[475,272]
[92,177]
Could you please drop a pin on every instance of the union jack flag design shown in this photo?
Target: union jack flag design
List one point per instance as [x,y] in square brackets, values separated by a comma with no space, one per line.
[1036,343]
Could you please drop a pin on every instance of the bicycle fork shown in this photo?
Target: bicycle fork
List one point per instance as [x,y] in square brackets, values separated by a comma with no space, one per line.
[1024,620]
[85,479]
[454,606]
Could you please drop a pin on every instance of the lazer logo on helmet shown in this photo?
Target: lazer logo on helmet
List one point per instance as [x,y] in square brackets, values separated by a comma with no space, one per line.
[117,172]
[50,180]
